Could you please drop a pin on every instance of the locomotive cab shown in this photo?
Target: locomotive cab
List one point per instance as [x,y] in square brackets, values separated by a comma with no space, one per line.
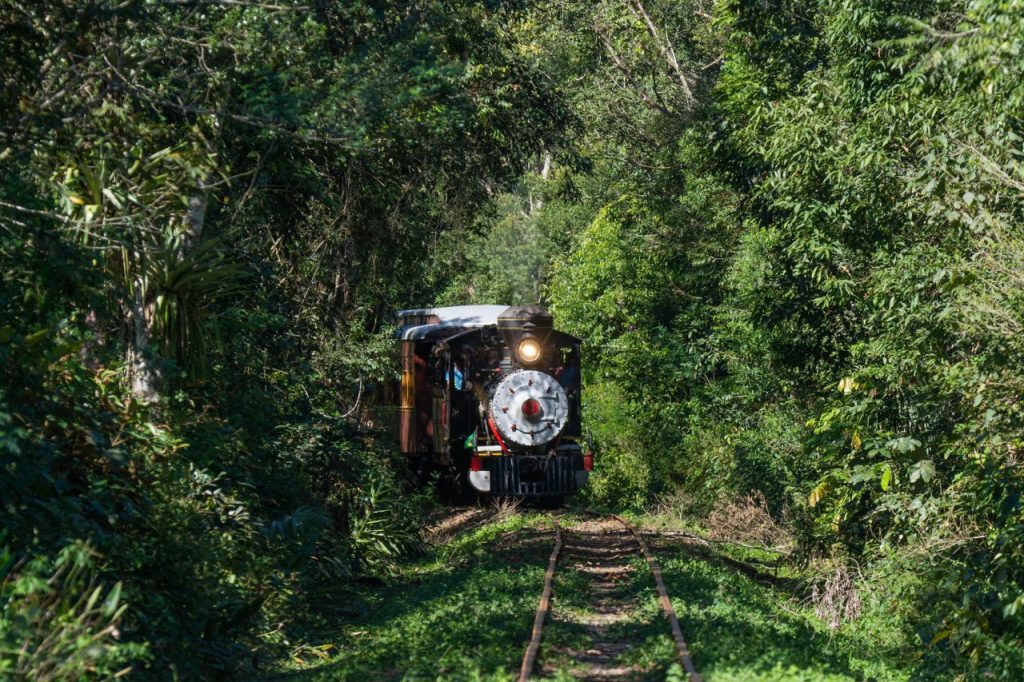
[490,395]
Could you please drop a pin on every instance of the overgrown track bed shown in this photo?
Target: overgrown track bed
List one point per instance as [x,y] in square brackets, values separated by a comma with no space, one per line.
[602,550]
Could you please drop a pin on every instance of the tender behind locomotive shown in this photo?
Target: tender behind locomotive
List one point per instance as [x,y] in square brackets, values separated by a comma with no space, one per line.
[490,395]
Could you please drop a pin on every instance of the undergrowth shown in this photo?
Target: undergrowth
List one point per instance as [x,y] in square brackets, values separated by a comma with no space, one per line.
[463,610]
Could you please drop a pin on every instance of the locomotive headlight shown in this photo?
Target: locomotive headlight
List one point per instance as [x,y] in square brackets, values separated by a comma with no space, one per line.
[528,351]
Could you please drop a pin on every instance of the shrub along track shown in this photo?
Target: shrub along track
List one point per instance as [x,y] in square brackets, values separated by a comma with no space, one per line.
[601,549]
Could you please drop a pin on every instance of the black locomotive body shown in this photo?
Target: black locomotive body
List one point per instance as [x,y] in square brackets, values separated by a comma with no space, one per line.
[490,396]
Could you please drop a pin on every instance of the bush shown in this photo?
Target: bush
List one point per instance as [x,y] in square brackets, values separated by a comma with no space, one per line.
[59,622]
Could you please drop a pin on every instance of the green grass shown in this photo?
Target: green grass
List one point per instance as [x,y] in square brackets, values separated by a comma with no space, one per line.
[652,651]
[464,612]
[739,628]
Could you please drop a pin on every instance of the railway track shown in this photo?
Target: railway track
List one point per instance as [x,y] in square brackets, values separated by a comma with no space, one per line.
[604,551]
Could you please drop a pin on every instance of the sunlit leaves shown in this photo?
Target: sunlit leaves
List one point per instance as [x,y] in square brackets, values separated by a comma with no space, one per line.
[923,471]
[817,494]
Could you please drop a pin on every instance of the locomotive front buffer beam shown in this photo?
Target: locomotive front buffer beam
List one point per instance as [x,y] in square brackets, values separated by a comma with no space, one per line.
[528,475]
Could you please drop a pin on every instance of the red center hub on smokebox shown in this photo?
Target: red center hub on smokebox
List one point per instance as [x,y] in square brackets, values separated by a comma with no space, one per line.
[531,408]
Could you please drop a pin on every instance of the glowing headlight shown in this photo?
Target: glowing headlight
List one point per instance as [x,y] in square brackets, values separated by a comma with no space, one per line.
[528,351]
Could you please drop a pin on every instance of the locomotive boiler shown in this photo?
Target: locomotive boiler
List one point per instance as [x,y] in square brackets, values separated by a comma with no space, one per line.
[490,397]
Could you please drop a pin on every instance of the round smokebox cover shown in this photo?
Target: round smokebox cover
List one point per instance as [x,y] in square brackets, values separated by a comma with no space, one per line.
[529,408]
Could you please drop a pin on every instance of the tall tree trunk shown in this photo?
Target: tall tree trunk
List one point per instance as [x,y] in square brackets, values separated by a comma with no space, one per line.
[145,375]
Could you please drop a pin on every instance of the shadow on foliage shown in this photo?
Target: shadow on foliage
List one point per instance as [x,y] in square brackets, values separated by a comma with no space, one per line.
[735,619]
[443,622]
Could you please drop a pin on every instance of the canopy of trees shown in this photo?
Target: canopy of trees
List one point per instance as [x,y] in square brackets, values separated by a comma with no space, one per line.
[796,256]
[207,208]
[791,233]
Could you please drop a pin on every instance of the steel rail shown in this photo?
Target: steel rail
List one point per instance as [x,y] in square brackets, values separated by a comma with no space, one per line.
[666,603]
[530,657]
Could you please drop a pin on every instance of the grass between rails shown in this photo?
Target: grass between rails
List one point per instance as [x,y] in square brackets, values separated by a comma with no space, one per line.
[651,654]
[561,635]
[464,612]
[604,618]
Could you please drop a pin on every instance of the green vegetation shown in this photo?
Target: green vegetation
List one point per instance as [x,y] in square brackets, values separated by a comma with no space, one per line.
[740,624]
[791,233]
[796,258]
[209,211]
[743,629]
[463,611]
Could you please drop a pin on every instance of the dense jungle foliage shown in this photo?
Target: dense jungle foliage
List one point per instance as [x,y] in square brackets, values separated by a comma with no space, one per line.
[209,211]
[797,258]
[790,233]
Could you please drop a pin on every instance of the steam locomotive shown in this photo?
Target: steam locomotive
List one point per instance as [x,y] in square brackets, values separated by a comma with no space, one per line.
[490,396]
